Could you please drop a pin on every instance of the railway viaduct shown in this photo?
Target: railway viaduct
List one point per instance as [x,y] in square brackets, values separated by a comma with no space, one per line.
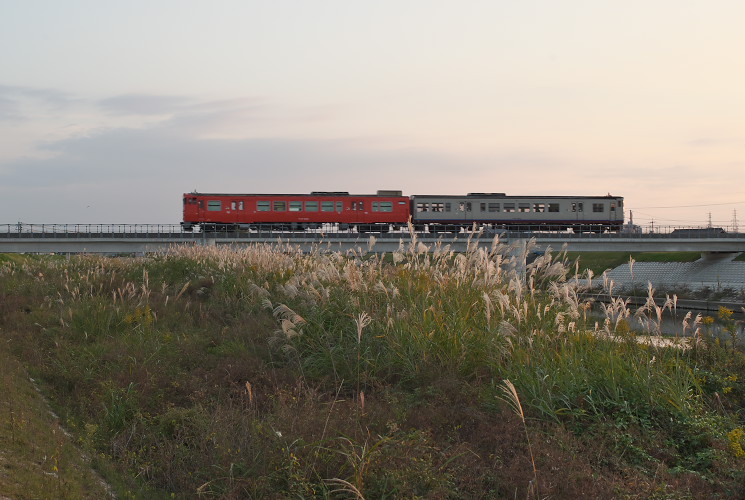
[148,238]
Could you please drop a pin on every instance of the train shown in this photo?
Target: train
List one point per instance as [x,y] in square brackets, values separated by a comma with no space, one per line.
[390,210]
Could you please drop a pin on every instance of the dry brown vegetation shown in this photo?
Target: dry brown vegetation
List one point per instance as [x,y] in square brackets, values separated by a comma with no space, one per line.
[264,372]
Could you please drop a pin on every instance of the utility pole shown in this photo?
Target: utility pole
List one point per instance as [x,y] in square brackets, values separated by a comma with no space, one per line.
[735,228]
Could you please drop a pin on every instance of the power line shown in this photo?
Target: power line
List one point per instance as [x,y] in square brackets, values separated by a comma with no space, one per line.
[682,221]
[701,205]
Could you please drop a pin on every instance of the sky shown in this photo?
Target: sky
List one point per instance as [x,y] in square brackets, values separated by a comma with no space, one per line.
[111,110]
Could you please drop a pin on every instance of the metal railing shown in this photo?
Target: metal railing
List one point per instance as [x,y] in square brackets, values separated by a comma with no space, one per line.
[175,231]
[23,230]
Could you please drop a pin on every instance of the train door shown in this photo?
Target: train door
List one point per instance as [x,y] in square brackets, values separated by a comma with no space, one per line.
[464,210]
[234,210]
[200,209]
[616,210]
[192,214]
[359,212]
[577,209]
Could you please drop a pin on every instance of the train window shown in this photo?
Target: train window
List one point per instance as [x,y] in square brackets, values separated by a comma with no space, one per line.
[539,207]
[214,205]
[553,207]
[358,205]
[598,207]
[386,206]
[375,206]
[232,205]
[494,207]
[509,207]
[201,204]
[263,206]
[483,207]
[327,206]
[311,206]
[240,205]
[578,207]
[523,207]
[296,206]
[613,207]
[422,207]
[280,206]
[339,206]
[464,206]
[437,207]
[447,207]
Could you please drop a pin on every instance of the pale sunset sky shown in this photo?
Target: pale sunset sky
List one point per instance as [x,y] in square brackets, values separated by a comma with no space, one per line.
[110,110]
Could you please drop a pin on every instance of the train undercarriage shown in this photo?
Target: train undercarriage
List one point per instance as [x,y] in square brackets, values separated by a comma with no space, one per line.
[431,228]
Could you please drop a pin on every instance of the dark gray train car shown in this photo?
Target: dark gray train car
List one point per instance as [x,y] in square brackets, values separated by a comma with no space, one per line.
[448,213]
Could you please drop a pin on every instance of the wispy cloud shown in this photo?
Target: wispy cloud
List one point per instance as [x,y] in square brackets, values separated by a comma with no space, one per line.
[51,96]
[9,109]
[155,162]
[143,104]
[131,156]
[13,100]
[706,142]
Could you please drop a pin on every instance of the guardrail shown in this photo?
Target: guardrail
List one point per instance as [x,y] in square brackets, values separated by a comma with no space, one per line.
[175,231]
[23,230]
[147,238]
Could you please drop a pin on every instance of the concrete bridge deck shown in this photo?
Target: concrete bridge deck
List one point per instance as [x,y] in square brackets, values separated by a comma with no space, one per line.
[145,238]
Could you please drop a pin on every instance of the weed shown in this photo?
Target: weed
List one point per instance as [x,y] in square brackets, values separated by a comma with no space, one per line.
[265,371]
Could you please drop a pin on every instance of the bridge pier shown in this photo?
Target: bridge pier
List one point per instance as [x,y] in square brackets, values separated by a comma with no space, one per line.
[718,256]
[207,242]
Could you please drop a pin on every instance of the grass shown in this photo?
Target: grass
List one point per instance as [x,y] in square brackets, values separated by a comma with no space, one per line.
[37,458]
[264,372]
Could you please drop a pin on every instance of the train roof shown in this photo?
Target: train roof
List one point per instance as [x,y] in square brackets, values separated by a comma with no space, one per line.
[398,194]
[380,193]
[514,196]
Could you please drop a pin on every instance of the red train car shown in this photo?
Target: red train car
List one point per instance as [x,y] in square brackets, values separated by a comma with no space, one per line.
[367,212]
